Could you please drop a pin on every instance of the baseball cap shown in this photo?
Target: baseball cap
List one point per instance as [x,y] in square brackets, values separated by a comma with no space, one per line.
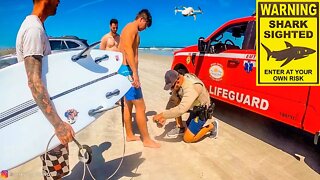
[170,78]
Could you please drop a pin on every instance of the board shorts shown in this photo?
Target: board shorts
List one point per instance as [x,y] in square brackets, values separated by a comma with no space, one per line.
[194,123]
[133,93]
[56,164]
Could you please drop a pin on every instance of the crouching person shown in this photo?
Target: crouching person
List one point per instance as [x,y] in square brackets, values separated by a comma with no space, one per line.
[188,95]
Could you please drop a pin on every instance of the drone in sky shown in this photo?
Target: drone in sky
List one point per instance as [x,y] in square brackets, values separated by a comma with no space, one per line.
[189,11]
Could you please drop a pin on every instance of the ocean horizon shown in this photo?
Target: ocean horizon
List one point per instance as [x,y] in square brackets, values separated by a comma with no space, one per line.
[164,51]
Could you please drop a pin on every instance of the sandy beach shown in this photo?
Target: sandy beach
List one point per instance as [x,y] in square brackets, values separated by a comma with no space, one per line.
[249,146]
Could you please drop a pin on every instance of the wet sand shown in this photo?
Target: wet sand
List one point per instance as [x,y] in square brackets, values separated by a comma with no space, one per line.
[249,146]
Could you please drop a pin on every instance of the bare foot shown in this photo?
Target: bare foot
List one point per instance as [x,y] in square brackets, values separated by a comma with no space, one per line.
[151,144]
[133,138]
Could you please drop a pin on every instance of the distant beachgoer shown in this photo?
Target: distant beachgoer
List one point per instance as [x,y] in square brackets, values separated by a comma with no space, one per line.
[31,45]
[188,92]
[129,43]
[111,40]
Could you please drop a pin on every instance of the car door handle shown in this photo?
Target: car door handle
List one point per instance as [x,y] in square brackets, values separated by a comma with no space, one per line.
[233,62]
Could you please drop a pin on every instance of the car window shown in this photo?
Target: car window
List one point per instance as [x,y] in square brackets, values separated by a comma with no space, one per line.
[230,38]
[72,44]
[4,62]
[57,45]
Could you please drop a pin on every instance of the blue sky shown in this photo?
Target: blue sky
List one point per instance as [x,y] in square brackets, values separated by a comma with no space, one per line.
[89,19]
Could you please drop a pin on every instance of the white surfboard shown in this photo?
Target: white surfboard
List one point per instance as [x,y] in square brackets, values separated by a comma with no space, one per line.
[86,84]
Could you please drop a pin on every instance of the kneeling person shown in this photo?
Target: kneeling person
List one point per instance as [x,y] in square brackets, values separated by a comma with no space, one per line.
[188,92]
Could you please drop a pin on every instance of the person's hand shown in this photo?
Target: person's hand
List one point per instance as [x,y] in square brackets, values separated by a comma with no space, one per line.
[136,81]
[64,132]
[159,119]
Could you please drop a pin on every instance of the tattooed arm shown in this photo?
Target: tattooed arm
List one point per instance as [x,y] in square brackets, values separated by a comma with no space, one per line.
[40,94]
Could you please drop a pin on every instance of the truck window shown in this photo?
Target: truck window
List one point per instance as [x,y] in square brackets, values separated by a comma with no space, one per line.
[230,38]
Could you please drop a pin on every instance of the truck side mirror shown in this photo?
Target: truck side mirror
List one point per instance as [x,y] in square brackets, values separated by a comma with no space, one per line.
[201,44]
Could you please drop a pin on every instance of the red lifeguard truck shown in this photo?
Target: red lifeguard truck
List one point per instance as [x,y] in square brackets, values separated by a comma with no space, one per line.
[226,62]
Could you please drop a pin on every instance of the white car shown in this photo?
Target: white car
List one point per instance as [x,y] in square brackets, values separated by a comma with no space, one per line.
[8,60]
[67,43]
[58,44]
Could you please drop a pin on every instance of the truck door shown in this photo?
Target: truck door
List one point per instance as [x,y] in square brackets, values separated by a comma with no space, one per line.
[222,59]
[286,103]
[228,69]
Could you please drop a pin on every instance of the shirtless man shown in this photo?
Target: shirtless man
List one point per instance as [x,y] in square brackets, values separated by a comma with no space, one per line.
[129,44]
[111,40]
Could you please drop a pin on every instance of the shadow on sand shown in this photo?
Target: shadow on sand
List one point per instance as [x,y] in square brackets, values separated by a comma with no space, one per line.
[291,140]
[163,136]
[135,128]
[171,125]
[101,169]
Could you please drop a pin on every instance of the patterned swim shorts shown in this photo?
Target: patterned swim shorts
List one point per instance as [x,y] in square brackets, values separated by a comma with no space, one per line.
[56,164]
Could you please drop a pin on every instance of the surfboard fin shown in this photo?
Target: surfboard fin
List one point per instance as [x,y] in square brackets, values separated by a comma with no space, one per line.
[95,111]
[84,53]
[116,92]
[100,109]
[99,59]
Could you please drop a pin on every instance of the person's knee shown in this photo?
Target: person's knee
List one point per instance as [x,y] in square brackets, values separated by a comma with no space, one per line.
[188,136]
[140,105]
[187,139]
[141,108]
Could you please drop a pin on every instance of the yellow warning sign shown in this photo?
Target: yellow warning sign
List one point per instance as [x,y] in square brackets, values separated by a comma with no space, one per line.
[287,42]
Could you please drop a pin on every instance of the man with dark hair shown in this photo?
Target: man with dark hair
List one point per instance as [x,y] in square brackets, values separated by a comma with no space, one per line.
[129,44]
[145,14]
[31,45]
[111,40]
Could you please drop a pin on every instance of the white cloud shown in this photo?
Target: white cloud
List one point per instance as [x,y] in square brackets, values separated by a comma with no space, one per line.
[85,5]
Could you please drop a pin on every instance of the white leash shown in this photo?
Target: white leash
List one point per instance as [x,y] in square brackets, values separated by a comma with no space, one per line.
[124,141]
[83,156]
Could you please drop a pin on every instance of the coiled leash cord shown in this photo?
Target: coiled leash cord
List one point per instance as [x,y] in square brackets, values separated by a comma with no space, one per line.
[85,152]
[84,155]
